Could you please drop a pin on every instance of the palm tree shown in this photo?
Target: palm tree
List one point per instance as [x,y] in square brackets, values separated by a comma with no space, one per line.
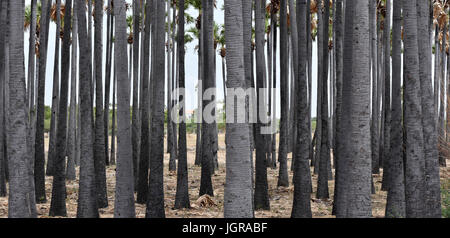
[142,187]
[395,205]
[182,194]
[73,136]
[58,202]
[39,164]
[208,129]
[99,140]
[3,157]
[31,55]
[432,186]
[135,112]
[261,197]
[322,183]
[387,95]
[375,128]
[124,197]
[356,154]
[284,75]
[302,182]
[20,186]
[238,188]
[87,195]
[414,161]
[155,201]
[55,94]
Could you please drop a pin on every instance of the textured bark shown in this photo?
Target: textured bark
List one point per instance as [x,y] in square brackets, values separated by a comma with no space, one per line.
[142,187]
[261,197]
[113,123]
[87,195]
[155,201]
[32,58]
[375,128]
[302,181]
[55,97]
[318,131]
[387,96]
[238,186]
[3,158]
[338,43]
[72,133]
[20,204]
[395,205]
[99,140]
[283,180]
[432,180]
[208,129]
[135,112]
[414,161]
[182,194]
[58,202]
[108,68]
[124,196]
[39,163]
[322,182]
[357,88]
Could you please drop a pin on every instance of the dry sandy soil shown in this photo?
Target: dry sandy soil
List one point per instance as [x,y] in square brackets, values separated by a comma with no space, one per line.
[280,198]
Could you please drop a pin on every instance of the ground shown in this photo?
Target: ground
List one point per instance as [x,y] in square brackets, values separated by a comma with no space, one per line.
[280,198]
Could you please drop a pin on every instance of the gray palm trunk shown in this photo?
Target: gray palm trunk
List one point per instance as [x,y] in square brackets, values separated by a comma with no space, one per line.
[170,127]
[135,112]
[322,183]
[395,205]
[208,129]
[182,193]
[338,43]
[99,140]
[113,123]
[357,89]
[318,131]
[87,195]
[284,93]
[142,186]
[375,128]
[432,186]
[261,196]
[55,96]
[3,158]
[387,96]
[108,69]
[414,150]
[155,201]
[302,181]
[58,202]
[73,136]
[31,57]
[21,191]
[124,196]
[238,186]
[39,164]
[436,73]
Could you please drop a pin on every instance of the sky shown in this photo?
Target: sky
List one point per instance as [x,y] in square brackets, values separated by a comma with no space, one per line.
[191,63]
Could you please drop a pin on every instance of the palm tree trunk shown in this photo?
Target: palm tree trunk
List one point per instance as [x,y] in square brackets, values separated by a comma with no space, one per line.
[20,187]
[414,161]
[39,164]
[31,56]
[87,195]
[208,129]
[302,180]
[142,187]
[324,152]
[238,188]
[261,196]
[135,111]
[55,96]
[3,158]
[124,197]
[73,136]
[375,102]
[58,202]
[395,205]
[284,93]
[113,123]
[155,202]
[182,193]
[109,36]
